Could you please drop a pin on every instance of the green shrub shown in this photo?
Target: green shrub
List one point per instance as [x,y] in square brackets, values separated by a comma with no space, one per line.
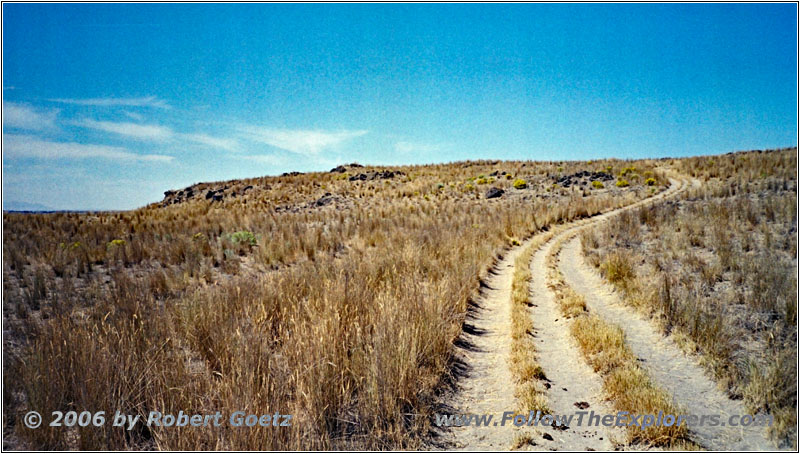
[520,184]
[115,243]
[598,184]
[243,237]
[650,181]
[508,176]
[481,180]
[622,183]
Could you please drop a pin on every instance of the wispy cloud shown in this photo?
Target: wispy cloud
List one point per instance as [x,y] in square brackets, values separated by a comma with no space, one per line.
[306,142]
[23,116]
[134,130]
[211,141]
[148,101]
[151,132]
[25,146]
[134,115]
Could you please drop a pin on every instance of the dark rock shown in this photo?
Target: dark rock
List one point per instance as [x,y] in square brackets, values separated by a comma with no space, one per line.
[382,175]
[386,174]
[291,174]
[601,176]
[327,199]
[582,405]
[547,436]
[494,193]
[579,178]
[339,169]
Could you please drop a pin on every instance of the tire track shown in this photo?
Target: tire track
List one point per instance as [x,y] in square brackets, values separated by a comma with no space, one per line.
[669,367]
[487,385]
[572,381]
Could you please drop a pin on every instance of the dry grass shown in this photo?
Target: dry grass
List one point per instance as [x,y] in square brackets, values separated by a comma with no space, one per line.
[718,270]
[343,314]
[530,391]
[626,384]
[570,303]
[521,440]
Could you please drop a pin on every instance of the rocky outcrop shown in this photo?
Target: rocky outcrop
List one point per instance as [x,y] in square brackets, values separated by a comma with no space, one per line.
[209,192]
[382,175]
[581,178]
[494,193]
[334,201]
[343,168]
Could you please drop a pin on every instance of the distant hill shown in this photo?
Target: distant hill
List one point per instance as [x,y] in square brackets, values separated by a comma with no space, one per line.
[14,205]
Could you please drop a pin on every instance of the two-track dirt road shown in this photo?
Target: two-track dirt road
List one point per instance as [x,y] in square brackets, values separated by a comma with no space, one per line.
[488,386]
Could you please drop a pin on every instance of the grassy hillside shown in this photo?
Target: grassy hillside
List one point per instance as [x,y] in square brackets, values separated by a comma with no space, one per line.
[337,296]
[330,296]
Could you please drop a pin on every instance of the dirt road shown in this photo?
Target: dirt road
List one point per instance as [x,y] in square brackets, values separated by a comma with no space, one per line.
[487,386]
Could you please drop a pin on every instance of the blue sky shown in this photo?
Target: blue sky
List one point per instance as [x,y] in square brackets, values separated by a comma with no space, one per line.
[108,106]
